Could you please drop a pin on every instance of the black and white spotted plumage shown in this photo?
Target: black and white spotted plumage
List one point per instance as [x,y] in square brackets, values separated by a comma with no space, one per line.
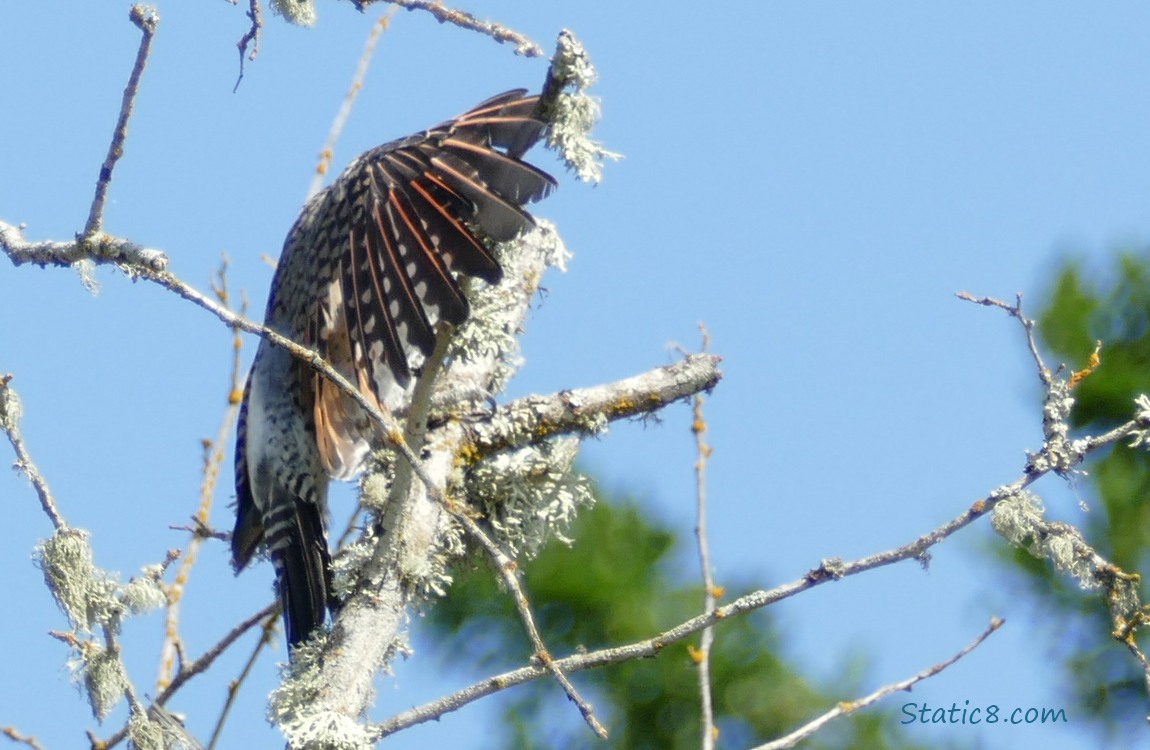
[367,271]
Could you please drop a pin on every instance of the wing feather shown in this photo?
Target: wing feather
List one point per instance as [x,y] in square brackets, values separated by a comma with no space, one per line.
[420,210]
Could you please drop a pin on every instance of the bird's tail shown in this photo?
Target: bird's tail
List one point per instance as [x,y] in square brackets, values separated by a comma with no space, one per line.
[297,542]
[292,529]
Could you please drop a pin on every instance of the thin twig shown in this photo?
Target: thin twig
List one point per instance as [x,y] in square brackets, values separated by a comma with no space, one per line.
[848,707]
[188,670]
[270,616]
[25,739]
[464,20]
[507,571]
[57,253]
[1015,311]
[1083,445]
[1132,645]
[251,36]
[146,19]
[702,657]
[213,460]
[10,412]
[328,151]
[200,529]
[205,660]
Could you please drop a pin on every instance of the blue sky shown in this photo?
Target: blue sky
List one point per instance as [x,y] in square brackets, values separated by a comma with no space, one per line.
[812,181]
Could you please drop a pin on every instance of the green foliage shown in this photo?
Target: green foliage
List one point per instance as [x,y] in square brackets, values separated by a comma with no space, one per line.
[1114,308]
[615,586]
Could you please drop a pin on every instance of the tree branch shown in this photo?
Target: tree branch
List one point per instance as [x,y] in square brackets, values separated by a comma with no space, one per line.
[13,734]
[213,459]
[702,657]
[464,20]
[146,19]
[10,412]
[586,411]
[1020,519]
[849,707]
[251,36]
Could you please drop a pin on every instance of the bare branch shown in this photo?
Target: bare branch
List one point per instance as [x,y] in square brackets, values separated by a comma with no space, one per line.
[271,615]
[24,739]
[214,456]
[1019,517]
[464,20]
[848,707]
[1015,311]
[147,264]
[200,665]
[829,570]
[10,412]
[205,660]
[507,572]
[703,656]
[146,19]
[533,419]
[251,36]
[100,249]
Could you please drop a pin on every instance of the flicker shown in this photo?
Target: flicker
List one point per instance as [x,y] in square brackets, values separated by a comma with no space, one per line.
[370,267]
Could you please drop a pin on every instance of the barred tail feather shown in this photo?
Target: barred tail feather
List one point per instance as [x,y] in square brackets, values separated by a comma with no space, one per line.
[303,568]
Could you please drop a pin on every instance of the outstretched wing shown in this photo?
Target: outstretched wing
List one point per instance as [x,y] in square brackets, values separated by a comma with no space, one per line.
[414,215]
[370,267]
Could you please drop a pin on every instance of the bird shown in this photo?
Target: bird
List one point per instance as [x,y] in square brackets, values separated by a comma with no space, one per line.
[371,266]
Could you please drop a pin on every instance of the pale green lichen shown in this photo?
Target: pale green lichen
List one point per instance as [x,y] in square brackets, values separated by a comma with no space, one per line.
[291,708]
[1019,519]
[530,494]
[297,12]
[146,734]
[159,729]
[424,564]
[575,113]
[145,593]
[11,408]
[102,675]
[86,270]
[493,328]
[93,599]
[375,486]
[1141,438]
[86,594]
